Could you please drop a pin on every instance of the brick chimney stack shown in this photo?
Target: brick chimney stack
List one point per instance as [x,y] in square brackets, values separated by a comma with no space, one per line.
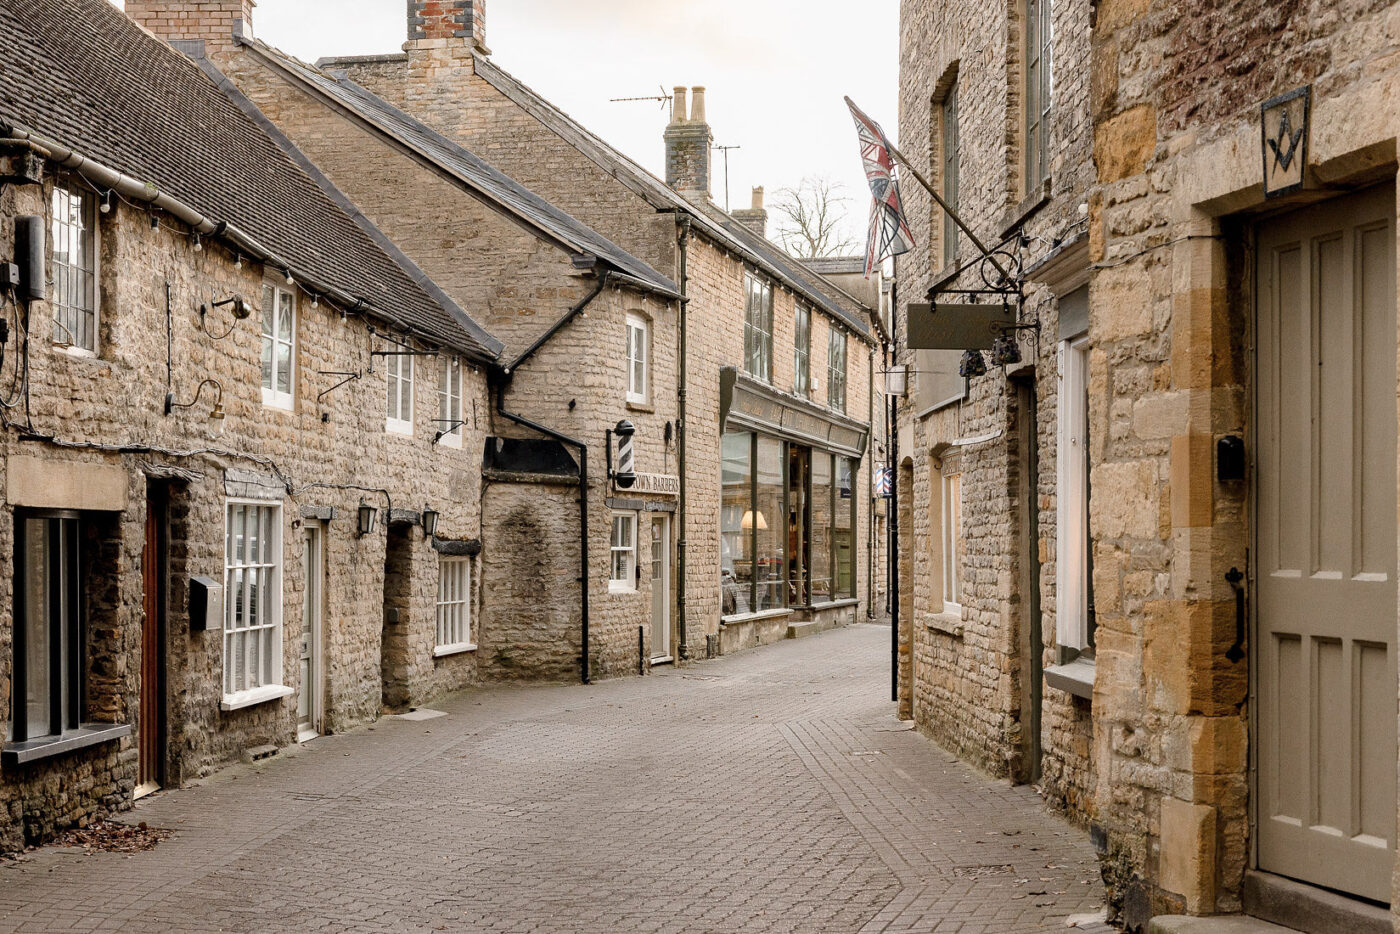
[756,217]
[214,22]
[688,142]
[441,23]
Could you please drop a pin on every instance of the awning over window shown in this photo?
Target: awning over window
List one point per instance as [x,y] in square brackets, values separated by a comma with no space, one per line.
[746,403]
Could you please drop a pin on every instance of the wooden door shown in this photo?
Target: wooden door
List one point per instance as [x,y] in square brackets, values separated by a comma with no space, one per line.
[309,685]
[660,587]
[1326,544]
[150,718]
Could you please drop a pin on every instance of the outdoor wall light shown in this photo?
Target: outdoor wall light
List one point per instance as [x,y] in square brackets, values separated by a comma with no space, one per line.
[430,520]
[365,517]
[972,364]
[216,414]
[1005,350]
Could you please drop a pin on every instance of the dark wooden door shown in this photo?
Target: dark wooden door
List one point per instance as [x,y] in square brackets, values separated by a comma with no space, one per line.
[150,718]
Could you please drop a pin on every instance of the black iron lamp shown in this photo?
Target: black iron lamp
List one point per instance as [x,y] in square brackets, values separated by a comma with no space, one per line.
[366,518]
[430,520]
[972,364]
[1005,351]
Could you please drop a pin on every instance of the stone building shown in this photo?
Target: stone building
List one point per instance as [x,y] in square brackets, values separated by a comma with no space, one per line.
[996,626]
[775,364]
[214,533]
[1242,436]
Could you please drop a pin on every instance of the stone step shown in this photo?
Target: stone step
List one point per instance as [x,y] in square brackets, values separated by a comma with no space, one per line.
[1219,924]
[1310,909]
[808,627]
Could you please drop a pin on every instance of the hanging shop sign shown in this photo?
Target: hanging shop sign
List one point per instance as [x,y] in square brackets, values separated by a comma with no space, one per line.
[1283,130]
[957,327]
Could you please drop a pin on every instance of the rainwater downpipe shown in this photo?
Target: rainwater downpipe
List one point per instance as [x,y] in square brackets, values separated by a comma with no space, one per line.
[870,516]
[509,374]
[683,242]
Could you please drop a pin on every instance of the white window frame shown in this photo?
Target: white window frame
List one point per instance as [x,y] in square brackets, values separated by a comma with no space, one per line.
[453,609]
[398,371]
[758,327]
[802,350]
[638,352]
[73,277]
[836,347]
[450,401]
[271,396]
[272,688]
[950,491]
[1072,491]
[627,583]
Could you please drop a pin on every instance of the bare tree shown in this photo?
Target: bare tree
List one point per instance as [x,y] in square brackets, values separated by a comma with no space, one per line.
[812,219]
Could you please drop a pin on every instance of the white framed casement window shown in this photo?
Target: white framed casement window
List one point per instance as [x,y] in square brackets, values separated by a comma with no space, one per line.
[638,359]
[74,266]
[802,350]
[623,575]
[758,328]
[252,604]
[1037,90]
[836,369]
[279,329]
[952,534]
[398,368]
[454,606]
[450,401]
[1073,572]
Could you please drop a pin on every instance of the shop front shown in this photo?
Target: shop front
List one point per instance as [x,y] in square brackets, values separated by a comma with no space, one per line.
[789,514]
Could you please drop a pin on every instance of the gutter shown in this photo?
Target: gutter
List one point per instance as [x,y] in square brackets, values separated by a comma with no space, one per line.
[508,374]
[107,177]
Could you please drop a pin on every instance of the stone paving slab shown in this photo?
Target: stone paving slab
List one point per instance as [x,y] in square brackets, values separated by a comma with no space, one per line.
[771,791]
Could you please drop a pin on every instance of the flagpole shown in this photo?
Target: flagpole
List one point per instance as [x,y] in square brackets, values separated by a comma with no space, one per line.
[944,205]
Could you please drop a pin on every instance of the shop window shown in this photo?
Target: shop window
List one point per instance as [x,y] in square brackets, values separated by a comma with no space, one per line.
[843,528]
[49,635]
[758,328]
[819,537]
[398,367]
[74,268]
[278,345]
[624,552]
[450,401]
[737,521]
[638,350]
[802,350]
[454,606]
[770,566]
[1074,607]
[252,604]
[952,534]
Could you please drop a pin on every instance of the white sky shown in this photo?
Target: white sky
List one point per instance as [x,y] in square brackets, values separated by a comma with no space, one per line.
[774,72]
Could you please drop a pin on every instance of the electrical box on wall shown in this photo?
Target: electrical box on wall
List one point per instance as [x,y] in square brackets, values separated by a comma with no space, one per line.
[1229,459]
[206,604]
[29,256]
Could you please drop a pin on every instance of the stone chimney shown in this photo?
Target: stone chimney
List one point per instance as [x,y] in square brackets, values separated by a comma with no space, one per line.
[688,141]
[756,217]
[440,23]
[214,22]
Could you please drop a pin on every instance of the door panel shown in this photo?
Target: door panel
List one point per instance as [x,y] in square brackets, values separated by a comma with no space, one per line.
[150,717]
[309,686]
[660,587]
[1326,544]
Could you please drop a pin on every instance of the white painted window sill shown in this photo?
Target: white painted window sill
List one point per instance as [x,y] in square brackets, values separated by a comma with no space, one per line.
[1076,677]
[277,400]
[456,649]
[453,440]
[254,696]
[750,617]
[73,350]
[616,587]
[834,604]
[396,427]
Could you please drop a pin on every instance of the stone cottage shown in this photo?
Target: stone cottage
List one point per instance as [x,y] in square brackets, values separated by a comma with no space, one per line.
[1242,430]
[775,365]
[996,625]
[214,531]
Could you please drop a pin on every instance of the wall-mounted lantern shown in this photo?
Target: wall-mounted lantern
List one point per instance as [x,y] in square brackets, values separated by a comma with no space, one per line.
[430,521]
[365,518]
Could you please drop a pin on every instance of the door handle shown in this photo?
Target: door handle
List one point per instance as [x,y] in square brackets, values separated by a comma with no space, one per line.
[1236,580]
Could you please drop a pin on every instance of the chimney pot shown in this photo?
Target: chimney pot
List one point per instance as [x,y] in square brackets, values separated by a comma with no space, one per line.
[697,105]
[449,21]
[678,110]
[758,198]
[688,141]
[756,217]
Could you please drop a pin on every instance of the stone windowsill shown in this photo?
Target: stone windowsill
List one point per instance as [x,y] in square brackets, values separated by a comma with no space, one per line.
[254,696]
[639,405]
[1020,213]
[751,617]
[1076,677]
[46,747]
[833,604]
[950,624]
[457,649]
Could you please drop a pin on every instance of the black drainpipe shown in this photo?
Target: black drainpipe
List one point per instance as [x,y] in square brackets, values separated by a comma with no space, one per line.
[684,243]
[509,374]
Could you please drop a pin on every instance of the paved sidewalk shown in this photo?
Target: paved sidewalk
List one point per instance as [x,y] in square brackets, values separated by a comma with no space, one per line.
[768,791]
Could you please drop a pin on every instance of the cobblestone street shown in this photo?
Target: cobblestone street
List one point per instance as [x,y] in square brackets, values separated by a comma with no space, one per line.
[767,791]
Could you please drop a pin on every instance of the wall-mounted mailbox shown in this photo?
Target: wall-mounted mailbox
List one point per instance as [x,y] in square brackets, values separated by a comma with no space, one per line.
[206,604]
[1229,458]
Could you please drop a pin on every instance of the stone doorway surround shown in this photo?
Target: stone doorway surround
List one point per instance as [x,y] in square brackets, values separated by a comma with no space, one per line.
[1171,712]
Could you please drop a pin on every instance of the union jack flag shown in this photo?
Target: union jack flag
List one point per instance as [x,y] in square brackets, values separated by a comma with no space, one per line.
[889,233]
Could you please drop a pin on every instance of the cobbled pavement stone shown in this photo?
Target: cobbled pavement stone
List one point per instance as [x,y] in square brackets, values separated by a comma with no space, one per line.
[769,791]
